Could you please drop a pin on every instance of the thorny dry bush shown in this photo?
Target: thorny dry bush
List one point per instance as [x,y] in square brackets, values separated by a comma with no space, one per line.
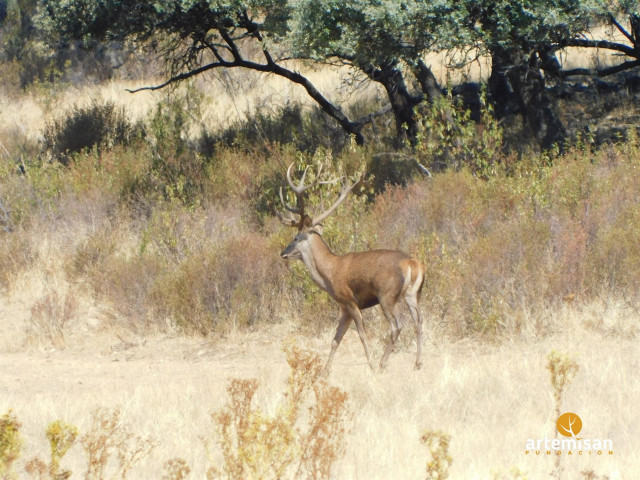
[10,444]
[438,444]
[562,368]
[50,315]
[62,437]
[302,439]
[111,448]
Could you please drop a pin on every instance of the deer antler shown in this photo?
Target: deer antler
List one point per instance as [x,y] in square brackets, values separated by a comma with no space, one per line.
[345,191]
[299,190]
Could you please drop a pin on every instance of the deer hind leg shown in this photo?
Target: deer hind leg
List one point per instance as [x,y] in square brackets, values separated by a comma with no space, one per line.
[355,313]
[343,326]
[411,294]
[412,303]
[391,314]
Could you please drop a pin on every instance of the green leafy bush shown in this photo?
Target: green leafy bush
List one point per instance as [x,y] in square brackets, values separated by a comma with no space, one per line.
[100,125]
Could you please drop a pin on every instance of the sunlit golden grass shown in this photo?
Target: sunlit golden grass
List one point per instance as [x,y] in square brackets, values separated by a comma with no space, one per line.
[230,97]
[489,398]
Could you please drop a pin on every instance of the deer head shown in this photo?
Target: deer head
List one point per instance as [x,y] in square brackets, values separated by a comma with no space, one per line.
[306,224]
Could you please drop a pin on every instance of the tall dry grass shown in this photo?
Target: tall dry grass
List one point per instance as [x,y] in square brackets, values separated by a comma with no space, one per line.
[490,399]
[202,256]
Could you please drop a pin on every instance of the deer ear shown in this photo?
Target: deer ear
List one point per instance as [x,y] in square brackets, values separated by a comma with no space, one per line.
[318,229]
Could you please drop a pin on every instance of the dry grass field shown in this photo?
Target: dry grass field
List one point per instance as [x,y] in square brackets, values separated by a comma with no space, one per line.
[490,398]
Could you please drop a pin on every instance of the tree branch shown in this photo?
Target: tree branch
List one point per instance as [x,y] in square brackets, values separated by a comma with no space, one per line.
[606,44]
[352,128]
[621,28]
[183,76]
[600,72]
[362,121]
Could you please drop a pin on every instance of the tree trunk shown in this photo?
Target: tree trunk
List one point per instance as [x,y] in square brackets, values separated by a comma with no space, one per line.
[535,105]
[427,81]
[517,84]
[402,102]
[502,94]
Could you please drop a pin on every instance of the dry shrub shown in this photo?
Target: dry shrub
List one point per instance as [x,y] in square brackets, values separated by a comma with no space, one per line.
[236,281]
[562,369]
[438,444]
[514,473]
[10,444]
[500,252]
[175,469]
[90,254]
[61,436]
[50,315]
[112,450]
[288,444]
[591,475]
[17,254]
[126,283]
[37,468]
[615,258]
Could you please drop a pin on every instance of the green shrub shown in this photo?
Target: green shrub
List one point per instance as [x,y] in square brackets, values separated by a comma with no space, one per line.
[451,139]
[100,125]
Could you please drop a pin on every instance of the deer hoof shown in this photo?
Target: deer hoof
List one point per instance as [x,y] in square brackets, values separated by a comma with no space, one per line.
[417,366]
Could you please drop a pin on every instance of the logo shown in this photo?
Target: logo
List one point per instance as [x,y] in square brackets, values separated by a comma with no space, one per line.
[569,426]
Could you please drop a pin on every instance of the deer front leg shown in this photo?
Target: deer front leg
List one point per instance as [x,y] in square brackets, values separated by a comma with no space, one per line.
[343,326]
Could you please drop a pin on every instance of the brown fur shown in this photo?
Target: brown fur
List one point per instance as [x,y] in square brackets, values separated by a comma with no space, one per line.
[362,280]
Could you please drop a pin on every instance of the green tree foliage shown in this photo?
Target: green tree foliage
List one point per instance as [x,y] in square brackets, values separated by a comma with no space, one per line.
[385,40]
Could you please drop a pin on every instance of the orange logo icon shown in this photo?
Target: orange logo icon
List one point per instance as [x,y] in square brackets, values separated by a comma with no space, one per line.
[569,424]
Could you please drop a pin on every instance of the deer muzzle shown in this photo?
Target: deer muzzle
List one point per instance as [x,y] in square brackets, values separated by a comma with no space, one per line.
[290,252]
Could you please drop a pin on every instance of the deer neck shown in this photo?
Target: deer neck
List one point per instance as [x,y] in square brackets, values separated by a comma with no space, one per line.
[320,261]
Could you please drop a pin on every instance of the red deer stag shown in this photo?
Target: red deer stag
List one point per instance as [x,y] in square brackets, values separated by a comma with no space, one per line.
[356,280]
